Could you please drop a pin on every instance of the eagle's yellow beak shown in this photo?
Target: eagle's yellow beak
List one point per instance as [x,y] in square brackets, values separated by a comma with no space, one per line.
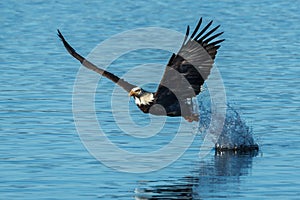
[131,93]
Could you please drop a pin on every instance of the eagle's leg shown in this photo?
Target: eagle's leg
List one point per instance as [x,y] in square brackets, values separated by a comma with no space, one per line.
[191,112]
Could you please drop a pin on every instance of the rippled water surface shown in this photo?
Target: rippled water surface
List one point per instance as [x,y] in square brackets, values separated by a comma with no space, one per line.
[41,154]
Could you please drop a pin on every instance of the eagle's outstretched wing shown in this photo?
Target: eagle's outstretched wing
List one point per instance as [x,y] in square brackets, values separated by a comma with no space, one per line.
[189,68]
[125,85]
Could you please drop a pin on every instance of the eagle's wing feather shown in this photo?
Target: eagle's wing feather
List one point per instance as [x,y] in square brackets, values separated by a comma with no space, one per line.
[187,70]
[125,85]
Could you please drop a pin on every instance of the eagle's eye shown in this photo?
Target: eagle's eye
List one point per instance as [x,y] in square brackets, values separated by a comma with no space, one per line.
[137,90]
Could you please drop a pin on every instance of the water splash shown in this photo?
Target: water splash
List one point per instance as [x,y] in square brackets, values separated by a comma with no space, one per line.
[236,134]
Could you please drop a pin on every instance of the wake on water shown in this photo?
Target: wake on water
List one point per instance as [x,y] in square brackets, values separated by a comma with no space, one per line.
[235,135]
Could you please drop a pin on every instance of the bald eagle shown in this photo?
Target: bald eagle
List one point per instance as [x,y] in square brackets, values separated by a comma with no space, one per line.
[183,77]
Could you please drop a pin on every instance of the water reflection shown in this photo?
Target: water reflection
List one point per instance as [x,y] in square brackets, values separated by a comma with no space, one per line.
[212,177]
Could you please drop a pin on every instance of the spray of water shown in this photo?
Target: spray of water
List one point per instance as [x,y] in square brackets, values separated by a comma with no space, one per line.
[236,135]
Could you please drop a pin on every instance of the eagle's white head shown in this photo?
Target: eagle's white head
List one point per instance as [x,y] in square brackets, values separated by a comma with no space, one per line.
[141,96]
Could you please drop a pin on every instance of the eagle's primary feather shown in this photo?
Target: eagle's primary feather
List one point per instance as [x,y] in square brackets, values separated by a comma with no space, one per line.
[183,77]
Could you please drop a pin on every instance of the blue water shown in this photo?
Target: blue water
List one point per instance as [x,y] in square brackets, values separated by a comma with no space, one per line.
[41,154]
